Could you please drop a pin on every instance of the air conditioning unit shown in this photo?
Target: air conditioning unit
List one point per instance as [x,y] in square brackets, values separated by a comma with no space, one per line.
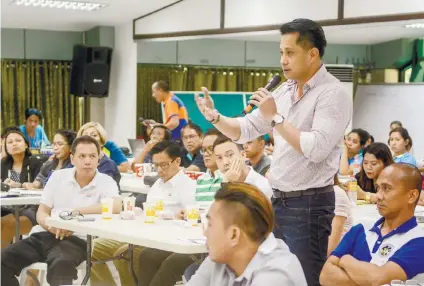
[345,74]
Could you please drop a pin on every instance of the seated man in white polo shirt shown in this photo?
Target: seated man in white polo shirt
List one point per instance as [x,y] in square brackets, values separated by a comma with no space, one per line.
[242,247]
[393,249]
[78,189]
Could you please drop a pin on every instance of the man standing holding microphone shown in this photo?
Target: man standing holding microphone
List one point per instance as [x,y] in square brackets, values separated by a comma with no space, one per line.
[308,116]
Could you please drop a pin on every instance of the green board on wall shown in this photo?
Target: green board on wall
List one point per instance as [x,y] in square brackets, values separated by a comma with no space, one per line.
[228,104]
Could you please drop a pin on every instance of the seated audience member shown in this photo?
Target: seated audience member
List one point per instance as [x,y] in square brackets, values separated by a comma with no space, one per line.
[377,156]
[255,153]
[395,124]
[393,249]
[192,137]
[400,143]
[242,247]
[67,189]
[106,165]
[33,131]
[210,182]
[231,163]
[351,159]
[159,133]
[269,148]
[343,220]
[3,135]
[109,148]
[115,153]
[177,191]
[62,143]
[18,167]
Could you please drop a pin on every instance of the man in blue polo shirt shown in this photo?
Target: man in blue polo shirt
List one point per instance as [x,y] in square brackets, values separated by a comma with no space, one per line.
[393,249]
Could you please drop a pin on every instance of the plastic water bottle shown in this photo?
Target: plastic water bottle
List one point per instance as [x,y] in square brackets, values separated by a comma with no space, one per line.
[352,191]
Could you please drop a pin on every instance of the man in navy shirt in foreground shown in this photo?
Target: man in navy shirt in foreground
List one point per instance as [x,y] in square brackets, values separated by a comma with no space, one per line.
[393,249]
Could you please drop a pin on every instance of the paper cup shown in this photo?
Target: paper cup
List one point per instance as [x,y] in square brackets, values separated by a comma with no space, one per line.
[142,169]
[192,215]
[149,212]
[107,208]
[129,203]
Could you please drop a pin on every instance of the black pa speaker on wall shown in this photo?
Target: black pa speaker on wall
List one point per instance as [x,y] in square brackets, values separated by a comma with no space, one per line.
[90,71]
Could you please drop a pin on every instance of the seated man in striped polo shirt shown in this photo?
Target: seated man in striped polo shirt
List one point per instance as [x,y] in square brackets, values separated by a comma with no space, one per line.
[393,249]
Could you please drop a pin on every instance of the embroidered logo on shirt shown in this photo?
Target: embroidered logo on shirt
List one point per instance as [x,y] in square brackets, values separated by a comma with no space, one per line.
[385,250]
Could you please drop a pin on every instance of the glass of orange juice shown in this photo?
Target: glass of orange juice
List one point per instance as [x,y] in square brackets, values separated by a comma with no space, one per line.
[107,208]
[159,205]
[149,212]
[193,215]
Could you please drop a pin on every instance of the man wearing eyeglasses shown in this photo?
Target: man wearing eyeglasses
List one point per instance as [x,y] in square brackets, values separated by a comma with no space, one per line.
[192,136]
[71,192]
[174,187]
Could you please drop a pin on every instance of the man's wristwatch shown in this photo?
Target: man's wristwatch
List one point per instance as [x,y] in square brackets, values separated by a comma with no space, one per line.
[277,119]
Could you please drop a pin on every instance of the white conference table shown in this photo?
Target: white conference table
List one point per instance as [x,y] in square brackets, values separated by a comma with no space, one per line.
[167,235]
[367,214]
[131,184]
[16,202]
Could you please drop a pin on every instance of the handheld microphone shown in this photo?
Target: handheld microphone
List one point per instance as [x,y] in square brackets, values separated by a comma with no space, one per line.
[272,83]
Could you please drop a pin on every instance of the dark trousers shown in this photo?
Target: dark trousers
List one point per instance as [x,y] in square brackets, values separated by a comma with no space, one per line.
[161,268]
[62,258]
[304,223]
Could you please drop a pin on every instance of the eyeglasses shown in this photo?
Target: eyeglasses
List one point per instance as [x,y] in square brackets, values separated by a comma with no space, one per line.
[163,166]
[68,215]
[208,150]
[190,137]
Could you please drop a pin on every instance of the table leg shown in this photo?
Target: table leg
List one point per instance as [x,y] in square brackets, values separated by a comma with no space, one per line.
[131,257]
[17,226]
[88,261]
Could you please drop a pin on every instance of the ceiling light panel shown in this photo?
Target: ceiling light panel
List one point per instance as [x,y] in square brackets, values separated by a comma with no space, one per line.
[417,26]
[69,5]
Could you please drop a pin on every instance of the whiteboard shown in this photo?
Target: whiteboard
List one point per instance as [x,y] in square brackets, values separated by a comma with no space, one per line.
[375,106]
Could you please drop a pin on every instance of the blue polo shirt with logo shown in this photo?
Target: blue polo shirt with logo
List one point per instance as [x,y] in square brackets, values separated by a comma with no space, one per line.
[403,246]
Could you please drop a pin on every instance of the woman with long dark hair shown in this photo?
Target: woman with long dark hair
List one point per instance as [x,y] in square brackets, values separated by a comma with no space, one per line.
[401,143]
[18,167]
[62,143]
[377,156]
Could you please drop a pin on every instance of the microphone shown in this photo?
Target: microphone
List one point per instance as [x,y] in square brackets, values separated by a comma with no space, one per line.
[272,83]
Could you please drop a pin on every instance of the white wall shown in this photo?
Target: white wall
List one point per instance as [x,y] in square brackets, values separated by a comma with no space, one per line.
[375,106]
[120,119]
[364,8]
[187,15]
[246,13]
[220,52]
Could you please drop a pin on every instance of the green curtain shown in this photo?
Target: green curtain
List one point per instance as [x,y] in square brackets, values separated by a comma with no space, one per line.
[192,78]
[43,85]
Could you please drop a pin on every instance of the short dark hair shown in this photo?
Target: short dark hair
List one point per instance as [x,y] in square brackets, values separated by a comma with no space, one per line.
[33,111]
[224,139]
[173,150]
[68,134]
[310,33]
[404,134]
[193,126]
[168,135]
[247,207]
[397,122]
[363,135]
[161,84]
[85,139]
[8,129]
[212,132]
